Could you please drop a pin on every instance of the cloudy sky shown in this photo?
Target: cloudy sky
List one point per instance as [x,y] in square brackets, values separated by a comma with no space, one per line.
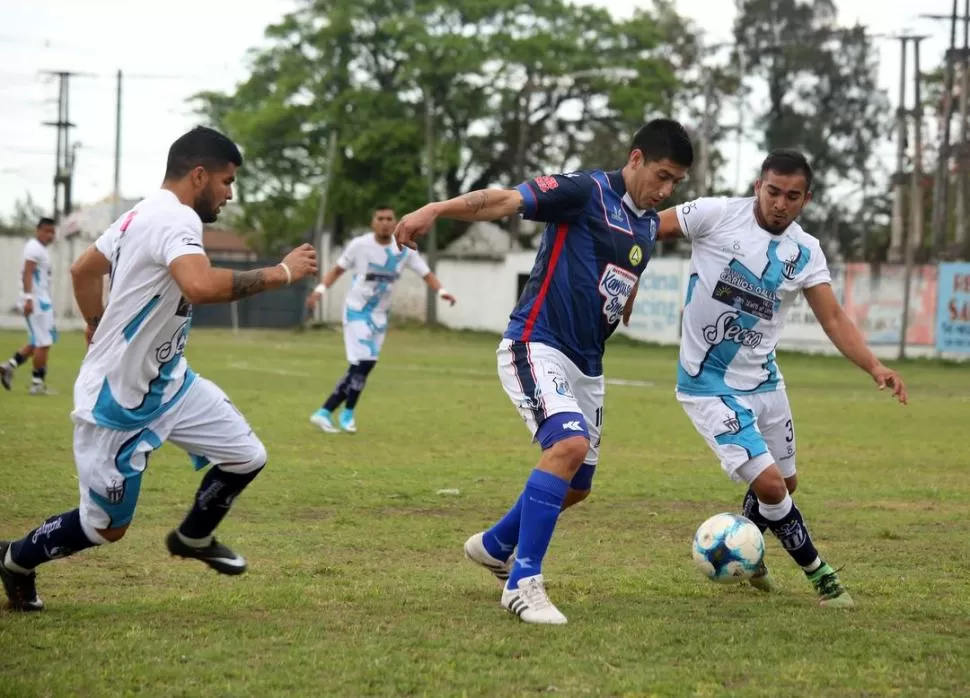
[169,50]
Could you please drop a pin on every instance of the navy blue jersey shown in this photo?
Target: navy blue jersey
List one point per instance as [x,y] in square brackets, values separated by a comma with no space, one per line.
[593,251]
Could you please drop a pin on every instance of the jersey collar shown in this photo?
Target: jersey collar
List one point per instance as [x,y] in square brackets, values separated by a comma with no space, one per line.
[615,178]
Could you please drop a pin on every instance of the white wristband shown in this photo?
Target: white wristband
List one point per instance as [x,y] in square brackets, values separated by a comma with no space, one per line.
[442,292]
[28,296]
[289,276]
[320,288]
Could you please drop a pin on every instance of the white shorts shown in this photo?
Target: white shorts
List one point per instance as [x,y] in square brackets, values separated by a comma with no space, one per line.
[542,381]
[110,463]
[363,340]
[40,328]
[747,432]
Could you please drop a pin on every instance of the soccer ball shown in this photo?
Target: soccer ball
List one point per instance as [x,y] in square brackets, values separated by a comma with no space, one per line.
[728,548]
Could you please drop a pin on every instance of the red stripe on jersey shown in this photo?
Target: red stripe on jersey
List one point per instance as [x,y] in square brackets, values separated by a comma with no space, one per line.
[544,289]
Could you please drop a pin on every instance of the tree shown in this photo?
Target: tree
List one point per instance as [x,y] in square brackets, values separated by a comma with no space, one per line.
[822,92]
[26,213]
[507,92]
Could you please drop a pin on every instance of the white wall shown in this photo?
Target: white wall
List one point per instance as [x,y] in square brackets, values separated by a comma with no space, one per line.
[62,254]
[486,292]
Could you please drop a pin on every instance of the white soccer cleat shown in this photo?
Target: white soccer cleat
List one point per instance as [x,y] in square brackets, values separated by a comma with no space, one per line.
[476,552]
[531,603]
[347,422]
[323,420]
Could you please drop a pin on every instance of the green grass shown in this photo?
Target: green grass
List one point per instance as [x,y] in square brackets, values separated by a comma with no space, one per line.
[357,584]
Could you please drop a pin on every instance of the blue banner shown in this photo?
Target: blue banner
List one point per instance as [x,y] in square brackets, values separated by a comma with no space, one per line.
[953,309]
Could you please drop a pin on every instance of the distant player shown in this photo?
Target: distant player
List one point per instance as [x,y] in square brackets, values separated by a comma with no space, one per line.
[749,260]
[601,231]
[38,309]
[135,390]
[376,263]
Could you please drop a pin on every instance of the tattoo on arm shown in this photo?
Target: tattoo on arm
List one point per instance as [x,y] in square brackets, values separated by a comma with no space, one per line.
[476,200]
[247,283]
[93,321]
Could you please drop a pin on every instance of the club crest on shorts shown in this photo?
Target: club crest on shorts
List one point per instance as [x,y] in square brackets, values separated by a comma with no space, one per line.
[562,386]
[636,255]
[733,424]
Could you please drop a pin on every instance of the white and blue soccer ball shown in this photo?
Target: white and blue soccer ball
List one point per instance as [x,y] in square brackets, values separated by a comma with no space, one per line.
[728,548]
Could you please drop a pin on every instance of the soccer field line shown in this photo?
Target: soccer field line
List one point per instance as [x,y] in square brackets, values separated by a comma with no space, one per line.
[415,368]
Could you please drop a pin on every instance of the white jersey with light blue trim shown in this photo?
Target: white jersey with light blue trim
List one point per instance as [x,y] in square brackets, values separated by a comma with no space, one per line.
[375,268]
[743,281]
[35,251]
[135,370]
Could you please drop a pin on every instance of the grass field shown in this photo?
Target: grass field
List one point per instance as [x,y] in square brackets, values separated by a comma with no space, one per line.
[358,586]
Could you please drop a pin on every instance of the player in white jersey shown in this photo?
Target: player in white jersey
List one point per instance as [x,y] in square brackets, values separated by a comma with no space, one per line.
[376,263]
[36,303]
[135,389]
[749,259]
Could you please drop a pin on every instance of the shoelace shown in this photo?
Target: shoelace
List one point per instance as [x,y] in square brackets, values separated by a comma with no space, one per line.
[535,595]
[829,583]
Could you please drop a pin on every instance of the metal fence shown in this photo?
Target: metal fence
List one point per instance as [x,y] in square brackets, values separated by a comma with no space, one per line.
[282,308]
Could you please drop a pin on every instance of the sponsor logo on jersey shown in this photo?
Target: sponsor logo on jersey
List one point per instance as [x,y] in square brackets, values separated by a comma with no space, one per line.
[740,293]
[546,183]
[727,329]
[616,285]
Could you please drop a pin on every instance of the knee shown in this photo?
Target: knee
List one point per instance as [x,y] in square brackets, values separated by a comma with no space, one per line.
[570,452]
[112,535]
[574,497]
[770,486]
[252,460]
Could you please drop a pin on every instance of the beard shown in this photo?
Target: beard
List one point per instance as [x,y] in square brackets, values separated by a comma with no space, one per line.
[206,208]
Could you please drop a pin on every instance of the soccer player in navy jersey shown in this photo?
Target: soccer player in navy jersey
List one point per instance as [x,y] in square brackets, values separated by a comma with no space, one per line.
[601,229]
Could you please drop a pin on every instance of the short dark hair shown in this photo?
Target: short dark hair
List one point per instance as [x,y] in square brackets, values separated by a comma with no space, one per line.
[201,146]
[664,138]
[44,220]
[788,161]
[382,208]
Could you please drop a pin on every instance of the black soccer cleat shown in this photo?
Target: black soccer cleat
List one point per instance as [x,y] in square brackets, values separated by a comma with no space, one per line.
[6,375]
[20,588]
[215,554]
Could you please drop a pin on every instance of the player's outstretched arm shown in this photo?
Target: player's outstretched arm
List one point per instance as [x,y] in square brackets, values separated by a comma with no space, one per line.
[849,340]
[435,284]
[479,205]
[87,277]
[202,283]
[328,280]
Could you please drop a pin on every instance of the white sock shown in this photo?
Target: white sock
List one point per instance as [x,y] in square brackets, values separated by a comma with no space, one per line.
[13,566]
[194,542]
[776,512]
[813,567]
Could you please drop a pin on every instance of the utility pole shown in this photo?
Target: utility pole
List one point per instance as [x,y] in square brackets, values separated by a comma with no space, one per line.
[431,317]
[64,163]
[116,204]
[899,177]
[963,157]
[704,157]
[915,236]
[941,178]
[515,220]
